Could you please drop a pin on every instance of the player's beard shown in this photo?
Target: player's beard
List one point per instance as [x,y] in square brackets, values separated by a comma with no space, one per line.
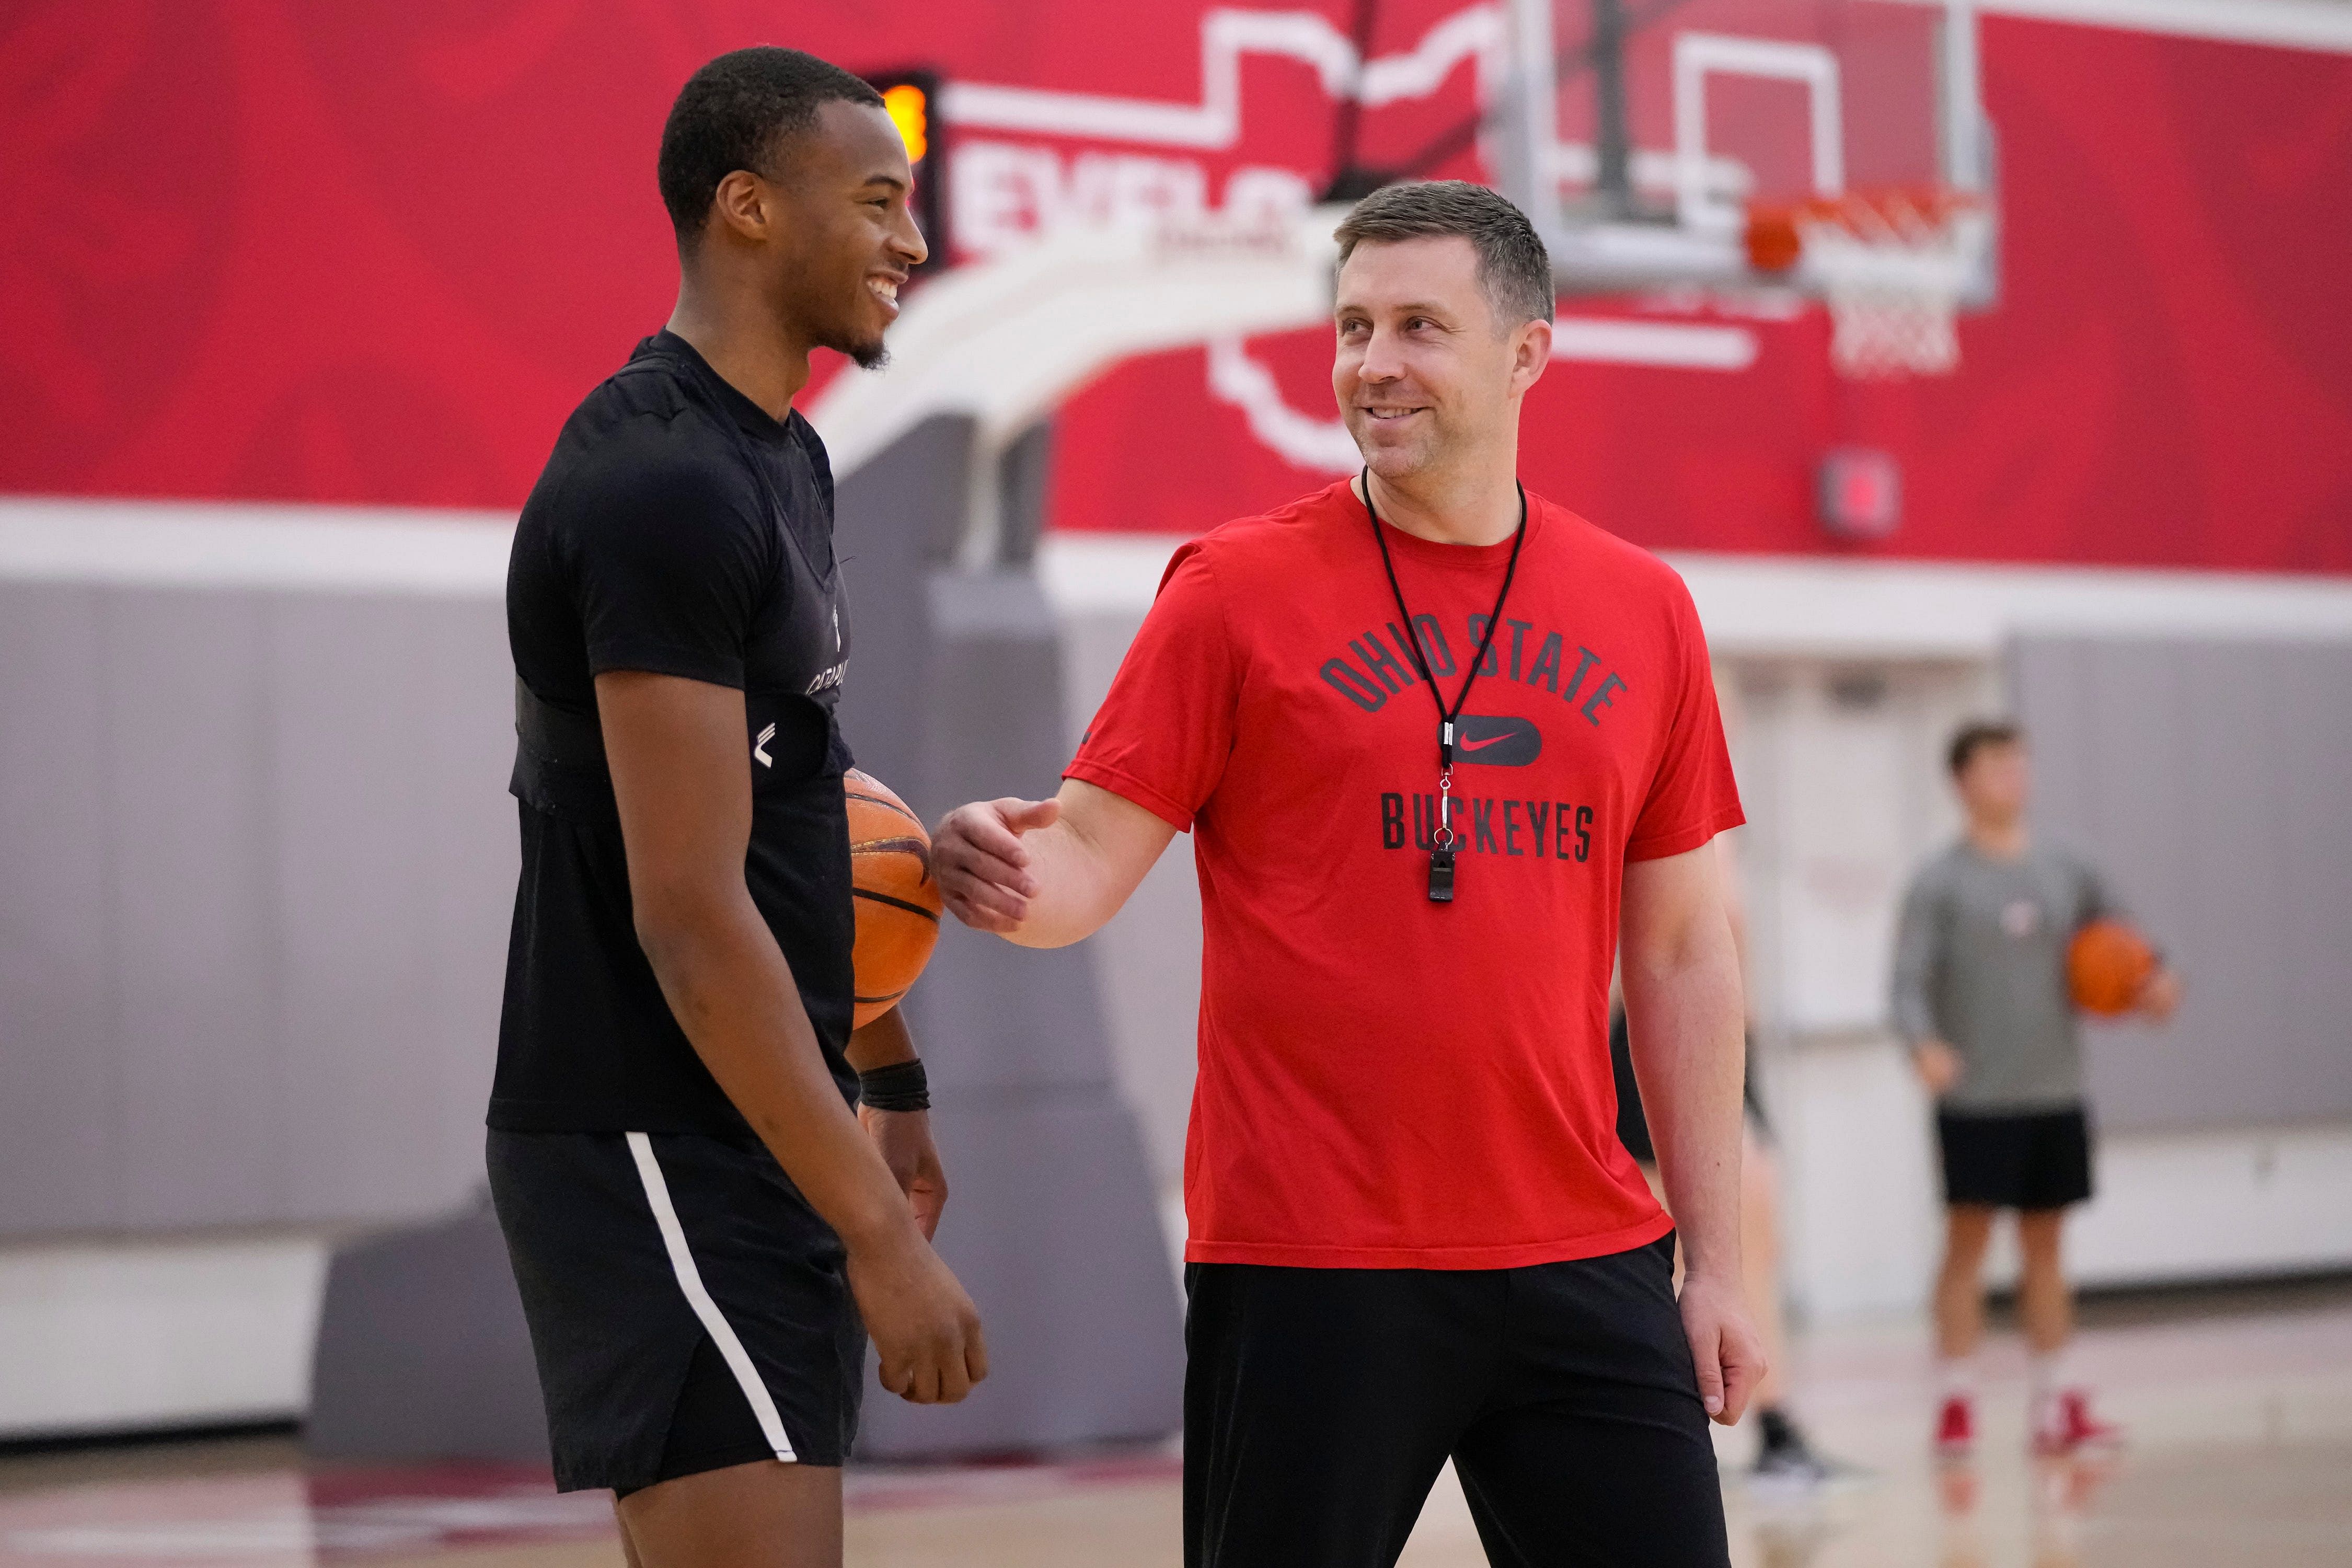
[845,335]
[866,351]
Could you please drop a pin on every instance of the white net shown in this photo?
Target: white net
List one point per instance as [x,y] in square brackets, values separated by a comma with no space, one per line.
[1893,275]
[1878,335]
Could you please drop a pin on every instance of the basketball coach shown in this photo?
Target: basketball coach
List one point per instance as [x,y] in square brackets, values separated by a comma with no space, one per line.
[1447,750]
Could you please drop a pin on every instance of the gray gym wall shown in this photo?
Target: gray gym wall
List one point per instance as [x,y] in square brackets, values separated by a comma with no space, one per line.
[257,865]
[2210,781]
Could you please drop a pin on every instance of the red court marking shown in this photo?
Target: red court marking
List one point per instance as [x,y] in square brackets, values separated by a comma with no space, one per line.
[294,1518]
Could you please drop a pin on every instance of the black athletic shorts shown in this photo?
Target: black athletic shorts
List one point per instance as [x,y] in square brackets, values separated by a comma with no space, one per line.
[1320,1404]
[687,1308]
[2024,1160]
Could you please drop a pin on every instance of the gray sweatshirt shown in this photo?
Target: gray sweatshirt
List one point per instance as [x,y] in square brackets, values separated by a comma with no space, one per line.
[1980,963]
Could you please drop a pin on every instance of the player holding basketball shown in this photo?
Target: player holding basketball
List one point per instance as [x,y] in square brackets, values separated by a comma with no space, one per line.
[703,1234]
[1414,1232]
[1980,994]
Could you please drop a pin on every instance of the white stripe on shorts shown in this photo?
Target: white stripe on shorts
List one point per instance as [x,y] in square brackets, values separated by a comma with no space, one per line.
[689,1279]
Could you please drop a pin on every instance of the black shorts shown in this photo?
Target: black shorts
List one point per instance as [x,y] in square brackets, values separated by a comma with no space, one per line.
[1320,1404]
[688,1311]
[2018,1160]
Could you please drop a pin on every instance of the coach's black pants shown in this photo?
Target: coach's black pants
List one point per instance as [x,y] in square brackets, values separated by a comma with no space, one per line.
[1319,1404]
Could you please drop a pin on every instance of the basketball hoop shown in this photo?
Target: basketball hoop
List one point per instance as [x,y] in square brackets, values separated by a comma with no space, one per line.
[1892,265]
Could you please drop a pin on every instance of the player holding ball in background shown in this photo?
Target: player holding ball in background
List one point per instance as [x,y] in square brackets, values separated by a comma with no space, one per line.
[1983,994]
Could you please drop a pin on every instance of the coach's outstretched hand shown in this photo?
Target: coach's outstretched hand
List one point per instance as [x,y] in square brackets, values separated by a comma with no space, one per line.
[1046,873]
[983,866]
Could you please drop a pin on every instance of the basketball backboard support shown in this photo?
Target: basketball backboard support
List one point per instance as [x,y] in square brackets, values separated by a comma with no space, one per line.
[1649,139]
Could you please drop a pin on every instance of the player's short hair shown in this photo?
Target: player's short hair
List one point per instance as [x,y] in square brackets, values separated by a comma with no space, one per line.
[1513,265]
[1975,736]
[733,114]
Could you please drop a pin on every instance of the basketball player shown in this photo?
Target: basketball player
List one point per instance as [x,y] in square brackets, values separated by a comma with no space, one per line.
[702,1233]
[1443,746]
[1980,994]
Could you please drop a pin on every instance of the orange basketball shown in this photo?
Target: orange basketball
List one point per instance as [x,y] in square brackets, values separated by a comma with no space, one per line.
[897,902]
[2107,964]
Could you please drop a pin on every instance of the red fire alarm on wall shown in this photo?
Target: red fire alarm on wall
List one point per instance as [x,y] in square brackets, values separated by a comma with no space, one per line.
[1861,494]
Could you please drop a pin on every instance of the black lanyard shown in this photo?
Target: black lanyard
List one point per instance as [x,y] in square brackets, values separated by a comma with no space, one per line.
[1441,857]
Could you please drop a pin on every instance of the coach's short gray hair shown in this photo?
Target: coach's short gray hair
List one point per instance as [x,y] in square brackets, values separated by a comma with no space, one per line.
[1513,265]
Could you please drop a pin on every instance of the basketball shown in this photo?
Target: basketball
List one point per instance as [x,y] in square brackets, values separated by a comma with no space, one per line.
[897,902]
[2107,964]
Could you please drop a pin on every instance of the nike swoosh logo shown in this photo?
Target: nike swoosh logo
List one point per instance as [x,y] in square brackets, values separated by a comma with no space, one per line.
[1497,741]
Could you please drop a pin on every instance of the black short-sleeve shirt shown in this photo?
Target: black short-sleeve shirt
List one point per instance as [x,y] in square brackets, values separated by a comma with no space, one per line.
[676,529]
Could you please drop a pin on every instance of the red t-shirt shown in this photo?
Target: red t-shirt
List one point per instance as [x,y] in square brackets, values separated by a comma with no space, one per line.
[1385,1082]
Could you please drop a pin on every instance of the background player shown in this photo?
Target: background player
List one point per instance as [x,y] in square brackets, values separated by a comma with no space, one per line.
[696,1220]
[1981,992]
[1783,1453]
[1412,1233]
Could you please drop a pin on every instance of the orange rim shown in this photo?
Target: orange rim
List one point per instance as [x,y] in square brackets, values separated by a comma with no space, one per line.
[1775,233]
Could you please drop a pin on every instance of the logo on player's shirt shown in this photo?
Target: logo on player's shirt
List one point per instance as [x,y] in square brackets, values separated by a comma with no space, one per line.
[832,676]
[1497,741]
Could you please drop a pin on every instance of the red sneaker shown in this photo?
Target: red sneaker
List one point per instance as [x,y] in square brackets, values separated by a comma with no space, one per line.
[2067,1425]
[1956,1427]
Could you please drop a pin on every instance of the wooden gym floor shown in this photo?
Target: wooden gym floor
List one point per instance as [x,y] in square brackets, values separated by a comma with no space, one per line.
[2240,1411]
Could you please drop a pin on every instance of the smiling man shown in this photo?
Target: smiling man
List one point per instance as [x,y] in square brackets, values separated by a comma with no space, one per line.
[1444,747]
[703,1233]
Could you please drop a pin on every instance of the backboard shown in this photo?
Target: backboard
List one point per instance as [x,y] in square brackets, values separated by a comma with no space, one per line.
[1663,143]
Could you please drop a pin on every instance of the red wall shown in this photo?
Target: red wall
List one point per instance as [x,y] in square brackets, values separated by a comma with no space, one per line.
[375,251]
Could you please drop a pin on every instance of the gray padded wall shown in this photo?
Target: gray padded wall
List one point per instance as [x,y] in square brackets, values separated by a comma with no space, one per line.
[2209,779]
[195,968]
[394,934]
[61,1102]
[258,863]
[423,1351]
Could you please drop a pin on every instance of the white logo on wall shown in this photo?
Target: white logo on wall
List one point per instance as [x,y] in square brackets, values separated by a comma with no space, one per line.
[766,735]
[1005,194]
